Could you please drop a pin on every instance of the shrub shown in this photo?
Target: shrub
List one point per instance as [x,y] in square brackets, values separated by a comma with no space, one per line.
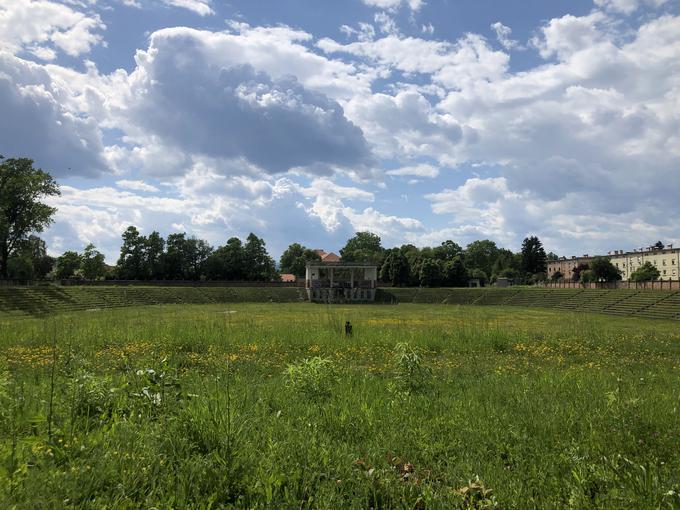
[312,377]
[411,374]
[92,396]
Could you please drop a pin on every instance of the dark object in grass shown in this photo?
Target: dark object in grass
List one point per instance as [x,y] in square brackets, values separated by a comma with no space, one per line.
[348,328]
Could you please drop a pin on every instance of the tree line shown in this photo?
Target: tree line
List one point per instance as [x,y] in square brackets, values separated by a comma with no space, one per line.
[23,254]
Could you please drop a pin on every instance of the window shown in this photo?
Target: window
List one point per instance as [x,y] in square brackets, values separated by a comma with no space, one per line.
[663,262]
[664,271]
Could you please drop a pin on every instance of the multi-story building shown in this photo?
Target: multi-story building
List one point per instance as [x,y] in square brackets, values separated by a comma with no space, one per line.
[566,266]
[666,260]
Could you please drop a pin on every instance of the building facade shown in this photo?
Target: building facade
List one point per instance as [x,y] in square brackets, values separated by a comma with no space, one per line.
[341,282]
[666,260]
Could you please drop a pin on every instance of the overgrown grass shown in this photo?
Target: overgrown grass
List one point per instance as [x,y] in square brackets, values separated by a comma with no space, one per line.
[271,406]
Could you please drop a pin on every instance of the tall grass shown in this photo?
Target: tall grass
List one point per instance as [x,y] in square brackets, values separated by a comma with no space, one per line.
[271,406]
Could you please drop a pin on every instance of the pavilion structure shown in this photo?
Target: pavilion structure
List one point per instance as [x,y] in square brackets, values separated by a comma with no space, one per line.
[341,282]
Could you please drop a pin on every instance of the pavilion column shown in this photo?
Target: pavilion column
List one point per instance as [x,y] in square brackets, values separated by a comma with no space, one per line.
[331,277]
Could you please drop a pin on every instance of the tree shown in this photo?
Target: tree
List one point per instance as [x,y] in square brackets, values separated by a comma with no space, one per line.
[395,269]
[153,254]
[20,268]
[647,272]
[42,266]
[507,264]
[552,256]
[481,255]
[259,266]
[587,276]
[430,273]
[414,258]
[196,254]
[447,251]
[363,247]
[557,276]
[658,245]
[21,212]
[534,259]
[455,272]
[34,251]
[603,270]
[67,265]
[131,264]
[174,260]
[294,259]
[227,262]
[92,263]
[576,272]
[480,275]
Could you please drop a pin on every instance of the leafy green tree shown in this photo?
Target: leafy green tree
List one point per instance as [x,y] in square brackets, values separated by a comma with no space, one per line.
[413,256]
[67,265]
[174,260]
[455,272]
[42,266]
[154,256]
[481,255]
[552,256]
[447,251]
[294,259]
[576,272]
[259,266]
[557,276]
[363,247]
[227,262]
[479,274]
[659,245]
[196,254]
[534,259]
[587,276]
[92,263]
[647,272]
[33,250]
[430,272]
[395,268]
[603,270]
[20,267]
[21,212]
[132,263]
[506,265]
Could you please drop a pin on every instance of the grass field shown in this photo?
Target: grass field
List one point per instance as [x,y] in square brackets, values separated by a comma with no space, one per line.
[269,406]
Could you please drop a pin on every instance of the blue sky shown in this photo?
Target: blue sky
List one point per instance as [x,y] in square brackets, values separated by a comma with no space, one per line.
[305,121]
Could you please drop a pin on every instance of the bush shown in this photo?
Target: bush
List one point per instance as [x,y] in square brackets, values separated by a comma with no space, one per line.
[313,377]
[92,397]
[411,374]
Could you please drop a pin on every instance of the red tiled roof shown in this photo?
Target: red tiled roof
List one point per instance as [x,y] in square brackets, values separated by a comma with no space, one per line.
[330,257]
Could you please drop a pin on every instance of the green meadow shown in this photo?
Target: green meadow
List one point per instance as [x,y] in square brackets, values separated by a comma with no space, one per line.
[270,405]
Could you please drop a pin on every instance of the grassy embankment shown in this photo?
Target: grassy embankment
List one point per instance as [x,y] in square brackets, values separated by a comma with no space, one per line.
[432,406]
[43,300]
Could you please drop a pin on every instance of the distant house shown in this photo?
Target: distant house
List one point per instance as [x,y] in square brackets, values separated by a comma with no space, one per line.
[328,257]
[288,278]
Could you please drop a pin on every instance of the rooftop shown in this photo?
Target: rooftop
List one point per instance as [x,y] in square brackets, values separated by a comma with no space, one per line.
[324,263]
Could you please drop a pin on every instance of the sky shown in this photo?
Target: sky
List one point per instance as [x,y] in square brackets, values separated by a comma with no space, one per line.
[308,120]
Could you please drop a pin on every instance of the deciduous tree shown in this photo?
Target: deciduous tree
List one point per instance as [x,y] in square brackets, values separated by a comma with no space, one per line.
[363,247]
[92,263]
[294,259]
[647,272]
[21,211]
